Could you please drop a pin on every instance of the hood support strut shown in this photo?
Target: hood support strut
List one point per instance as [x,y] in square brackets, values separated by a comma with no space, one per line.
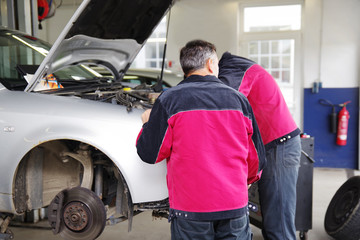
[158,86]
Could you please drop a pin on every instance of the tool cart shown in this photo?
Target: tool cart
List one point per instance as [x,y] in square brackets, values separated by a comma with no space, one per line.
[304,189]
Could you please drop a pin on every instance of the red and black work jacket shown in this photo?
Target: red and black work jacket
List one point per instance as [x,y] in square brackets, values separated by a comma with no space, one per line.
[208,134]
[272,114]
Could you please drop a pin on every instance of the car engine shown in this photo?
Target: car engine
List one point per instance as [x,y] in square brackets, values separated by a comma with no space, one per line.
[141,96]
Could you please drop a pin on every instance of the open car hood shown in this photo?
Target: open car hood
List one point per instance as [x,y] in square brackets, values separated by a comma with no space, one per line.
[109,33]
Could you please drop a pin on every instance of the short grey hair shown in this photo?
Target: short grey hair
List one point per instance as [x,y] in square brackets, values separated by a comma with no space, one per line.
[194,54]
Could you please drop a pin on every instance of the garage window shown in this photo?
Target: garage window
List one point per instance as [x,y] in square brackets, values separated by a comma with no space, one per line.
[270,36]
[273,18]
[276,56]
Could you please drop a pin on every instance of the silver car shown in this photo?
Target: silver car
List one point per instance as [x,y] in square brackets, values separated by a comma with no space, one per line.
[68,134]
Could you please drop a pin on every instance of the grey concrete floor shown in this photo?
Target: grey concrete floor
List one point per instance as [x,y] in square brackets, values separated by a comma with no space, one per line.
[326,182]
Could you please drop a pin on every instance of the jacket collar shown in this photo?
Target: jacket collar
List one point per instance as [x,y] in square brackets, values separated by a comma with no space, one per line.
[199,78]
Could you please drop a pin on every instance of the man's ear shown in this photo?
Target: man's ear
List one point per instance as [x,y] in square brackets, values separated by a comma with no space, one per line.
[210,65]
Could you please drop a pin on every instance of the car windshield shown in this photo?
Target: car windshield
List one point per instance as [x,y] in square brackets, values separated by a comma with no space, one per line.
[22,54]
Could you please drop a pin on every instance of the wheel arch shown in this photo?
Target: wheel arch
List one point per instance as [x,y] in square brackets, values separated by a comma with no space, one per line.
[27,197]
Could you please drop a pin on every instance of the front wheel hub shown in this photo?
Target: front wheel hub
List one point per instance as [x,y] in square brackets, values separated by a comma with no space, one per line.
[76,216]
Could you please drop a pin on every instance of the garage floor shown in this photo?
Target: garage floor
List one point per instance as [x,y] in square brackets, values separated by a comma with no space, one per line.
[326,182]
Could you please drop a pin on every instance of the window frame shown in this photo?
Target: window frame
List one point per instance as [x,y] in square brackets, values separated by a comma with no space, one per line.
[291,54]
[296,106]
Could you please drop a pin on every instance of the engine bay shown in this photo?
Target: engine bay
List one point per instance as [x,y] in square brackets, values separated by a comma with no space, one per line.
[141,96]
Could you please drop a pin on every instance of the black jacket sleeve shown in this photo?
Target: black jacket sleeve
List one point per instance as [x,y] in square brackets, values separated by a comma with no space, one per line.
[151,137]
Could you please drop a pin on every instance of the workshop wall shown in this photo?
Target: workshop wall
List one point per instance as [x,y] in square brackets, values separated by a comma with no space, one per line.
[212,20]
[317,124]
[331,56]
[53,26]
[331,43]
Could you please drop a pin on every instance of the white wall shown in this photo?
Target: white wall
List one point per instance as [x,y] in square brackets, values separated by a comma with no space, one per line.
[332,29]
[341,41]
[331,35]
[53,26]
[312,28]
[211,20]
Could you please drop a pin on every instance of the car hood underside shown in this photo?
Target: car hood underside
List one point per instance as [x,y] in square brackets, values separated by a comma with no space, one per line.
[108,33]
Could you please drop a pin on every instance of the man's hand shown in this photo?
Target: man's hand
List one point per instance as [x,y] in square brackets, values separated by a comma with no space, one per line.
[145,116]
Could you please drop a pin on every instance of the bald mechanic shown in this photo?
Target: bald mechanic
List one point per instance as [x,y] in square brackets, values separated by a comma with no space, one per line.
[208,134]
[277,187]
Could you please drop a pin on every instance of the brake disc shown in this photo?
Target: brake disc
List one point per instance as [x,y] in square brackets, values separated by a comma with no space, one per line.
[82,214]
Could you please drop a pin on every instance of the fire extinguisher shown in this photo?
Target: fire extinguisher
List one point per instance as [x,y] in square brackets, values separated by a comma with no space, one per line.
[343,122]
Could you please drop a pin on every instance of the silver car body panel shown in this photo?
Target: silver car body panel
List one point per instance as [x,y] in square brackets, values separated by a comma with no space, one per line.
[110,128]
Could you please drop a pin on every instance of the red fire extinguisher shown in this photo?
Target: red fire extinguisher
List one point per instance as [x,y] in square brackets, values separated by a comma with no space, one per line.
[343,122]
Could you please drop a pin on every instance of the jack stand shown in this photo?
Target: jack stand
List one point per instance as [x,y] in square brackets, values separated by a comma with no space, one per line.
[5,232]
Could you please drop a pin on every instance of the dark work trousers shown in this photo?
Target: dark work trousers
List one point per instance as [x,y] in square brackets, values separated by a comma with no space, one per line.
[228,229]
[277,190]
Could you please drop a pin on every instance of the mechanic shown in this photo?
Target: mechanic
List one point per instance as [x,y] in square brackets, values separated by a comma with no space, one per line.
[280,134]
[210,160]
